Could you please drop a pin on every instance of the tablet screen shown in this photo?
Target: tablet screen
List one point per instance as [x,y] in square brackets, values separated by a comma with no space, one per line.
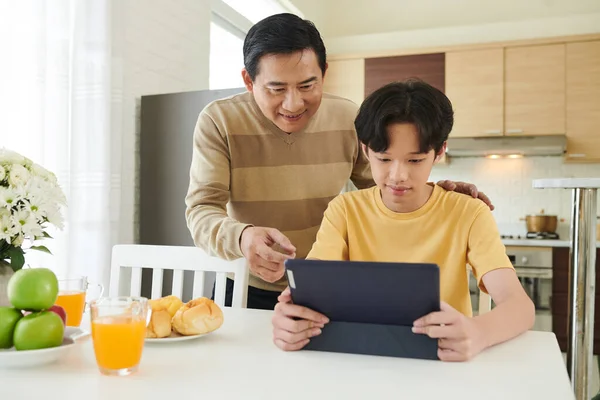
[365,292]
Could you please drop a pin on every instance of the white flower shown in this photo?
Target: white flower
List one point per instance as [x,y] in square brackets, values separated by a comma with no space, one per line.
[8,198]
[38,170]
[2,173]
[36,206]
[8,157]
[7,227]
[18,175]
[55,218]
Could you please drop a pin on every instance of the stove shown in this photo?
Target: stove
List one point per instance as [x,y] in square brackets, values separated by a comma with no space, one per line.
[533,236]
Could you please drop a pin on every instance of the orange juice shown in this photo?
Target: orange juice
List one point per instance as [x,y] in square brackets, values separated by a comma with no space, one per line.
[73,302]
[118,341]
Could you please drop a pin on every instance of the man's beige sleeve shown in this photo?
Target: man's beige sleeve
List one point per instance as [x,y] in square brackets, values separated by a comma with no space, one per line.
[361,173]
[208,193]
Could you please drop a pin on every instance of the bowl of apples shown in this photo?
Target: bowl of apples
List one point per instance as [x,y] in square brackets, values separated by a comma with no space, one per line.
[32,329]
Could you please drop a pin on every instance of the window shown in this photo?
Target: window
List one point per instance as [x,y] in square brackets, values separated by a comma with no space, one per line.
[226,58]
[231,19]
[256,10]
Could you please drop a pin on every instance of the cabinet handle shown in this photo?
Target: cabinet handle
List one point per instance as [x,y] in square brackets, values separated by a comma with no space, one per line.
[576,155]
[493,132]
[514,131]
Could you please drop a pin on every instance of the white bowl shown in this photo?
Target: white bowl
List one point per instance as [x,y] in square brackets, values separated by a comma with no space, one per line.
[11,358]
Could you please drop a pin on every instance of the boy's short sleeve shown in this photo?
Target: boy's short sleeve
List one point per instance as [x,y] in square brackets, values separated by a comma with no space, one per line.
[486,252]
[332,237]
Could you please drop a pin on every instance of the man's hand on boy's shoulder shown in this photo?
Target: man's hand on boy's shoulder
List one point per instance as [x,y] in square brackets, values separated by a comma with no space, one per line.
[459,337]
[466,188]
[294,325]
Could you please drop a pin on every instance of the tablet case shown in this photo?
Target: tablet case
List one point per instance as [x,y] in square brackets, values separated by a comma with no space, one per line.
[371,305]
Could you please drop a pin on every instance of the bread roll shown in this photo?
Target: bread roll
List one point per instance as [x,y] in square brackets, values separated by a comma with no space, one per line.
[197,316]
[160,324]
[170,303]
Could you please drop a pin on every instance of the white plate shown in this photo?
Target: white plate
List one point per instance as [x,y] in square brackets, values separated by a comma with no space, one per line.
[11,358]
[175,337]
[75,332]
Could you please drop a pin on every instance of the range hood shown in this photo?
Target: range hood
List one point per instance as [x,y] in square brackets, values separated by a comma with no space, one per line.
[548,145]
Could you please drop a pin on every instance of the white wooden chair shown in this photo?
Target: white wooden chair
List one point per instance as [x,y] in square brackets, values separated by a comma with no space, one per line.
[485,300]
[178,259]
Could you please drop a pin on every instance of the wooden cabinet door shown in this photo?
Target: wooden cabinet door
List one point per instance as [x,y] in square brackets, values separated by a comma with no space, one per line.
[583,101]
[535,91]
[346,78]
[475,86]
[383,70]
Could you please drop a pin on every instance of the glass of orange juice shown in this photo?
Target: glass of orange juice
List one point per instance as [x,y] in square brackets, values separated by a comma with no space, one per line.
[71,296]
[118,333]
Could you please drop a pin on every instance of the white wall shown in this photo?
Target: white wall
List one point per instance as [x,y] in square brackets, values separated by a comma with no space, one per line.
[508,182]
[161,46]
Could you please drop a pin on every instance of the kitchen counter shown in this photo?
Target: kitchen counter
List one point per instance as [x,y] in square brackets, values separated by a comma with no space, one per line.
[539,242]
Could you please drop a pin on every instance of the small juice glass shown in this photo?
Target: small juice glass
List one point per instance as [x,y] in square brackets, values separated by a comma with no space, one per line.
[118,333]
[71,296]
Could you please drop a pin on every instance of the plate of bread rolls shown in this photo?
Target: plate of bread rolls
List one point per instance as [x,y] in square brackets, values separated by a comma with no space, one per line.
[172,320]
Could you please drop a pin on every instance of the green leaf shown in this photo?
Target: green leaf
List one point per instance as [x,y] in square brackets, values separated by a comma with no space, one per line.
[16,258]
[41,248]
[45,234]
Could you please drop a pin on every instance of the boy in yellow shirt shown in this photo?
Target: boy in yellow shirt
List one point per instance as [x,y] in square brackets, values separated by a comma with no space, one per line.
[403,128]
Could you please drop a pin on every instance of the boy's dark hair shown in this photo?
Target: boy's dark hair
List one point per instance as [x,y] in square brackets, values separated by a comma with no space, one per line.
[412,101]
[281,34]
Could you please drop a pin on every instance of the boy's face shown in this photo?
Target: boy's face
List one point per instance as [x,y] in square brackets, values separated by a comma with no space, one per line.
[288,88]
[402,171]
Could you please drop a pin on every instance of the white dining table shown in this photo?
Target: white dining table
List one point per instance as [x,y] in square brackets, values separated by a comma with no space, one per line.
[240,361]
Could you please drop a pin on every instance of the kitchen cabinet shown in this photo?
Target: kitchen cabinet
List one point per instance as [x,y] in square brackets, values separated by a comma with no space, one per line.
[508,91]
[583,101]
[382,70]
[475,86]
[560,298]
[346,78]
[534,84]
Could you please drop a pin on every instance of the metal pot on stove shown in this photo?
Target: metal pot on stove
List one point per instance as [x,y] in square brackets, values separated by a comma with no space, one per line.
[541,223]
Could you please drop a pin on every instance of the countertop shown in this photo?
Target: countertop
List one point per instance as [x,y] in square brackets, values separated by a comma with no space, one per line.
[567,183]
[539,242]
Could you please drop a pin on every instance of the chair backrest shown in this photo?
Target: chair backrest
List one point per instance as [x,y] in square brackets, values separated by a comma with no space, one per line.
[485,300]
[178,259]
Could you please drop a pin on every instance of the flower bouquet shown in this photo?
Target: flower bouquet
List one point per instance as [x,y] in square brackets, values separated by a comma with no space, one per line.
[30,201]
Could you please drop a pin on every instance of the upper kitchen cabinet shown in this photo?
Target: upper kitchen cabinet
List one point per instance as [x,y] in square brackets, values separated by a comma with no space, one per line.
[535,80]
[383,70]
[475,86]
[346,78]
[583,101]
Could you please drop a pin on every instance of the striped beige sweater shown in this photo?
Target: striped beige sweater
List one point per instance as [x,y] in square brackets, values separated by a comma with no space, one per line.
[246,171]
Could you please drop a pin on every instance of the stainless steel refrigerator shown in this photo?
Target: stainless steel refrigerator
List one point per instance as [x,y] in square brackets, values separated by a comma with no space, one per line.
[167,126]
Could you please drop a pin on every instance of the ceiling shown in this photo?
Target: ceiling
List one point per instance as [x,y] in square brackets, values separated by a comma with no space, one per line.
[336,18]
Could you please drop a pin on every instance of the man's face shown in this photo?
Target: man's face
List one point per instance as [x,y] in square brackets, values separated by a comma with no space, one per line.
[288,88]
[401,172]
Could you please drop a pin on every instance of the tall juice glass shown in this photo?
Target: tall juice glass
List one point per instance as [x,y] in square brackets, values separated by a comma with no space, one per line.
[118,332]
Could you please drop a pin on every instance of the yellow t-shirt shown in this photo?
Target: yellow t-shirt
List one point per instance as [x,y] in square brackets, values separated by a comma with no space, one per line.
[450,230]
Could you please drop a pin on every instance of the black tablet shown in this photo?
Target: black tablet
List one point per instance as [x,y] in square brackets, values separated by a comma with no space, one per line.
[387,293]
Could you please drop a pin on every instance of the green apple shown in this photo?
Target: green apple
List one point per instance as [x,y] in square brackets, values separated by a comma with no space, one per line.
[8,320]
[39,330]
[33,289]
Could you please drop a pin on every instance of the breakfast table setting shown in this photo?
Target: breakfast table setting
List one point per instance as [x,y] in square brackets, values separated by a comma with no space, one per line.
[239,361]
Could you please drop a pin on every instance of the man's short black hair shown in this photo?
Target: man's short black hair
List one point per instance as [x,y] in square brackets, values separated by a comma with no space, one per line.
[411,101]
[281,34]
